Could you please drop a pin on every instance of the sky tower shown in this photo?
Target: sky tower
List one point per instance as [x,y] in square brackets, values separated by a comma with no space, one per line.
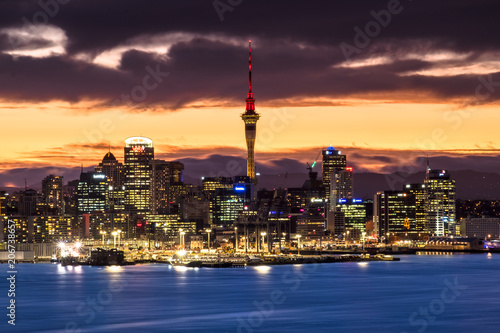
[250,118]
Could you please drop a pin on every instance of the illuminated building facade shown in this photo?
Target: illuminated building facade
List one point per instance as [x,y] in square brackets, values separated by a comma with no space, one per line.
[440,203]
[139,152]
[485,227]
[250,118]
[92,192]
[160,184]
[354,211]
[41,229]
[112,169]
[394,212]
[419,192]
[169,226]
[52,193]
[340,186]
[177,188]
[333,161]
[227,203]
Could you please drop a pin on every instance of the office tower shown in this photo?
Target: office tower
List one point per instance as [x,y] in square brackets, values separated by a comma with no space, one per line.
[177,188]
[195,206]
[419,191]
[250,117]
[440,202]
[92,193]
[211,184]
[112,169]
[28,200]
[227,203]
[340,186]
[139,152]
[211,188]
[333,161]
[354,211]
[52,193]
[160,184]
[243,185]
[394,212]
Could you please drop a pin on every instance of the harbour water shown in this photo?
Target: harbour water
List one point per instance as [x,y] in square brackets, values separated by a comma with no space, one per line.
[440,293]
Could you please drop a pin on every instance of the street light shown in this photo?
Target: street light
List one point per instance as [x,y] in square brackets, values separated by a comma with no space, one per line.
[298,244]
[119,237]
[102,234]
[236,238]
[208,232]
[114,233]
[182,238]
[263,234]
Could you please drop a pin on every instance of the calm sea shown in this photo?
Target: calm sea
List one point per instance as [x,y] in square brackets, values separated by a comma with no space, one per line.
[453,293]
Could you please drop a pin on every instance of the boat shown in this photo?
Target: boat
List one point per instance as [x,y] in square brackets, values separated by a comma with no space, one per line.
[186,263]
[180,258]
[253,258]
[386,257]
[54,259]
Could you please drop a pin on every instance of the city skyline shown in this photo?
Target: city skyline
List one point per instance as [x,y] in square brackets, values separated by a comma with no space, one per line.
[395,102]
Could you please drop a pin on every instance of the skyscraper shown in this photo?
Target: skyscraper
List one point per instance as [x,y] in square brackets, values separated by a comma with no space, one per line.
[340,186]
[250,118]
[52,193]
[112,169]
[139,152]
[91,192]
[333,161]
[440,203]
[394,215]
[160,184]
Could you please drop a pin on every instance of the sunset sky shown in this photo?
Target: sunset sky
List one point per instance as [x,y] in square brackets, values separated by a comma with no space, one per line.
[425,82]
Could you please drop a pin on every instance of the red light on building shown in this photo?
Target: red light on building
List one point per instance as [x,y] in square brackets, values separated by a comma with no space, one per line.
[138,149]
[348,169]
[139,225]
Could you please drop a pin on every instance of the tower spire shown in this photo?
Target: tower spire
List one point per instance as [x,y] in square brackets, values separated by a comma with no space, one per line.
[250,67]
[250,109]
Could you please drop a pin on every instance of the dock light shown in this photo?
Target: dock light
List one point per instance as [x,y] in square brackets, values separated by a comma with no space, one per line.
[181,253]
[78,245]
[61,245]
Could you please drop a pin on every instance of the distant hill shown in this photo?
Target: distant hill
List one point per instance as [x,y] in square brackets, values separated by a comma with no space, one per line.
[470,184]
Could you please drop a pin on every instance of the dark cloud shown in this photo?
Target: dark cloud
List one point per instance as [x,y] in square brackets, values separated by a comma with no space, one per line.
[296,53]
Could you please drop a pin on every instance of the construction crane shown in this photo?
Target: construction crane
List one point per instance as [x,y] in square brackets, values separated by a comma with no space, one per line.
[310,167]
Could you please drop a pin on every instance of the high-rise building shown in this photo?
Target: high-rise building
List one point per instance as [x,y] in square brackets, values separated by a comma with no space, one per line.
[92,192]
[394,212]
[333,161]
[112,169]
[440,203]
[227,203]
[160,184]
[250,117]
[28,200]
[340,186]
[52,193]
[139,152]
[177,188]
[419,192]
[354,211]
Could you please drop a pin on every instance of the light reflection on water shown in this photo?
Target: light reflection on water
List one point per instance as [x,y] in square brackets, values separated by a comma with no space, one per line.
[340,297]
